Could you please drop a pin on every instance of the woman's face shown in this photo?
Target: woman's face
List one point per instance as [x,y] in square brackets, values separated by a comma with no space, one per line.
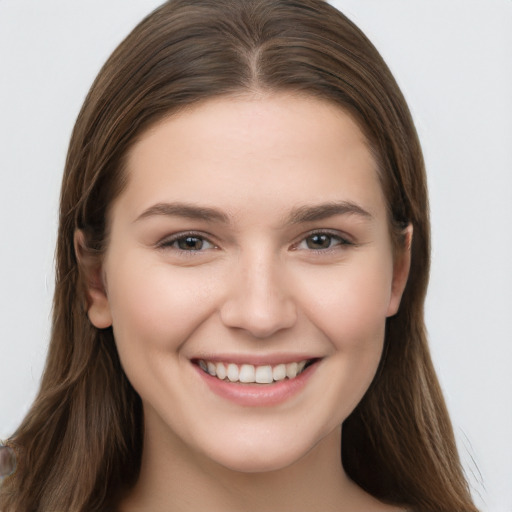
[251,242]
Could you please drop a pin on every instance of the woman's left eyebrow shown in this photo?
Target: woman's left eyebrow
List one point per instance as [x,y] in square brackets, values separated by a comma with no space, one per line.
[311,213]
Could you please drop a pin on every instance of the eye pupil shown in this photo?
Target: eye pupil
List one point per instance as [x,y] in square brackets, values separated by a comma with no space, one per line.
[319,241]
[190,243]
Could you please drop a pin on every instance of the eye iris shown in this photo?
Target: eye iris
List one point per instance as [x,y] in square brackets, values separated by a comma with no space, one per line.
[319,241]
[190,243]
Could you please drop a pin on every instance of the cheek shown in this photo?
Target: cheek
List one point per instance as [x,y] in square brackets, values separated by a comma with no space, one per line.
[155,306]
[351,313]
[350,306]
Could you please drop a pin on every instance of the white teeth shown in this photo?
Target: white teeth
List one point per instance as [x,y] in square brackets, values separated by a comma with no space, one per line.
[221,371]
[279,372]
[291,370]
[300,366]
[233,372]
[264,375]
[212,370]
[248,373]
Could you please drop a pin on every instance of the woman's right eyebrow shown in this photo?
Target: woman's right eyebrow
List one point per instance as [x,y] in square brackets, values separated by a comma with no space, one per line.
[186,210]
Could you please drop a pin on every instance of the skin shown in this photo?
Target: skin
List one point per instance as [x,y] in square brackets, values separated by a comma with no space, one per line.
[257,284]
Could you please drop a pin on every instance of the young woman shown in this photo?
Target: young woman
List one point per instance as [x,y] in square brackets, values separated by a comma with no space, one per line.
[242,263]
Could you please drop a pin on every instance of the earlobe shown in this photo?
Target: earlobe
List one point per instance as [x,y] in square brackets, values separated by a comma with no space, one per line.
[98,307]
[401,267]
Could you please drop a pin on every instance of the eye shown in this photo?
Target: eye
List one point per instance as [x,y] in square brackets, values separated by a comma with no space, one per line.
[191,243]
[188,242]
[322,241]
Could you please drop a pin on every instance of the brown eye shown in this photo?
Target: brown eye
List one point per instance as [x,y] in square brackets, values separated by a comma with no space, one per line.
[187,243]
[323,241]
[320,241]
[190,243]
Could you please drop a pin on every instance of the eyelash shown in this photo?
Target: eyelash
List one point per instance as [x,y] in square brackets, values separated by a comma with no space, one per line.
[169,243]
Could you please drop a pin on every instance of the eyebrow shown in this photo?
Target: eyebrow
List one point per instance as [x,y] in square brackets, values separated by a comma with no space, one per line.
[326,210]
[185,210]
[298,215]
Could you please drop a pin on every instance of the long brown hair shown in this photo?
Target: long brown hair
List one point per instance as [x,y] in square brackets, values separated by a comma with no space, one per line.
[81,442]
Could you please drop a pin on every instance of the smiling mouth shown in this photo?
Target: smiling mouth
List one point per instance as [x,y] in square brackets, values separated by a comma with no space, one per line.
[251,374]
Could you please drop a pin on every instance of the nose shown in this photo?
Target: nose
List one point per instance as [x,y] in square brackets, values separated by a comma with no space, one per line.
[259,300]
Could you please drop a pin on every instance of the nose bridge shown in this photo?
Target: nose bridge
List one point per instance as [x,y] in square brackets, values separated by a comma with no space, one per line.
[259,299]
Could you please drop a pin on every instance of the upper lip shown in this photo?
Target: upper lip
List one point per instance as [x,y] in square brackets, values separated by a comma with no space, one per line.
[255,359]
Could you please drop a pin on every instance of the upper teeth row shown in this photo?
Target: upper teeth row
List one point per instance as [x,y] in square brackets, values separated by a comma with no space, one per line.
[249,373]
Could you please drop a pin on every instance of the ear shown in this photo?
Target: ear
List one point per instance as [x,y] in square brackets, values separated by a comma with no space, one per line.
[98,307]
[401,267]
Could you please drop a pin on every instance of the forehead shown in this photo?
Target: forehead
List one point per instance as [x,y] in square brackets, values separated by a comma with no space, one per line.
[237,151]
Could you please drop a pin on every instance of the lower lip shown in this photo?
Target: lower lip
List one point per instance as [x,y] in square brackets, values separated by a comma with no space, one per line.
[254,395]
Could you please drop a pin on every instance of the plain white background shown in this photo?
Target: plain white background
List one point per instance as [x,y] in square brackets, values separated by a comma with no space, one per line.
[453,60]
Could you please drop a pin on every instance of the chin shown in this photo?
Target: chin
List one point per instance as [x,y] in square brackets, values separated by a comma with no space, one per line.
[259,462]
[272,451]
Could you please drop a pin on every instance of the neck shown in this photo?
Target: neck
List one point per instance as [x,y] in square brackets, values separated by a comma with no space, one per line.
[174,475]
